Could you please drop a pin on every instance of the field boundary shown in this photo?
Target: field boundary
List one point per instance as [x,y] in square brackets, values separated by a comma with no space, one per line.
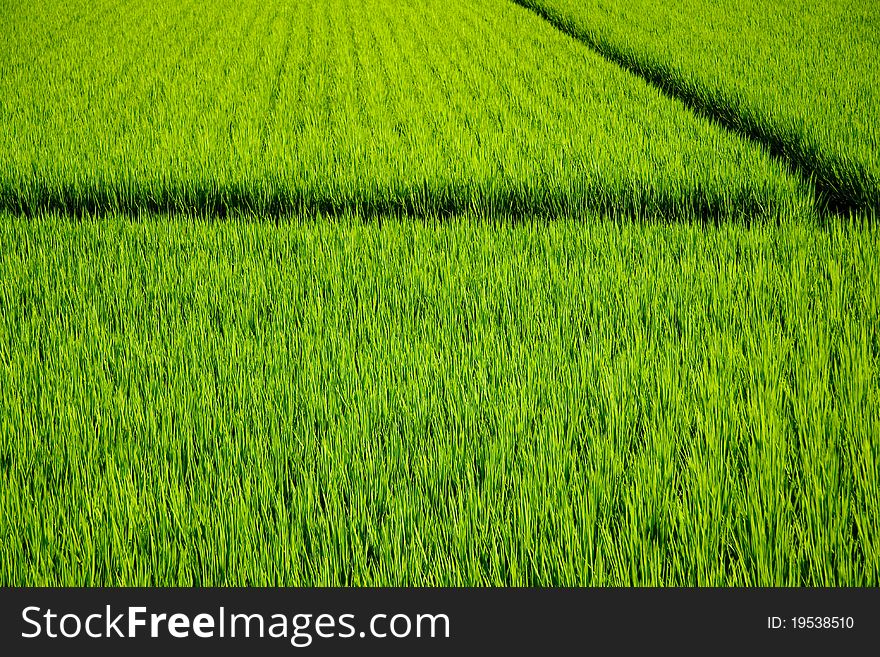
[840,188]
[514,202]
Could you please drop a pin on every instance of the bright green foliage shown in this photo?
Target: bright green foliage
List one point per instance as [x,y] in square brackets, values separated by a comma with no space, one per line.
[422,107]
[515,370]
[800,75]
[458,402]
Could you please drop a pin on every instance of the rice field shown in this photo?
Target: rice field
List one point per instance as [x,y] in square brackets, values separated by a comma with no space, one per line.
[360,106]
[438,293]
[799,76]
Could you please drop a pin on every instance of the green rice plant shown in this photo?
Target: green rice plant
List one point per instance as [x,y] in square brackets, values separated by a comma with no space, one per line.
[798,76]
[435,298]
[438,402]
[366,106]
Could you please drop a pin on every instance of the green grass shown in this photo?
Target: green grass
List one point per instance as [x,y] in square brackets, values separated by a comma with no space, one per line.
[799,76]
[430,292]
[410,107]
[335,401]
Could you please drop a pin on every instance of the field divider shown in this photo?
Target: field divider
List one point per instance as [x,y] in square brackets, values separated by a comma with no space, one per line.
[838,189]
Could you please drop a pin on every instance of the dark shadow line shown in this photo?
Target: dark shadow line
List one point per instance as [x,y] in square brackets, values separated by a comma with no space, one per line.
[840,188]
[420,200]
